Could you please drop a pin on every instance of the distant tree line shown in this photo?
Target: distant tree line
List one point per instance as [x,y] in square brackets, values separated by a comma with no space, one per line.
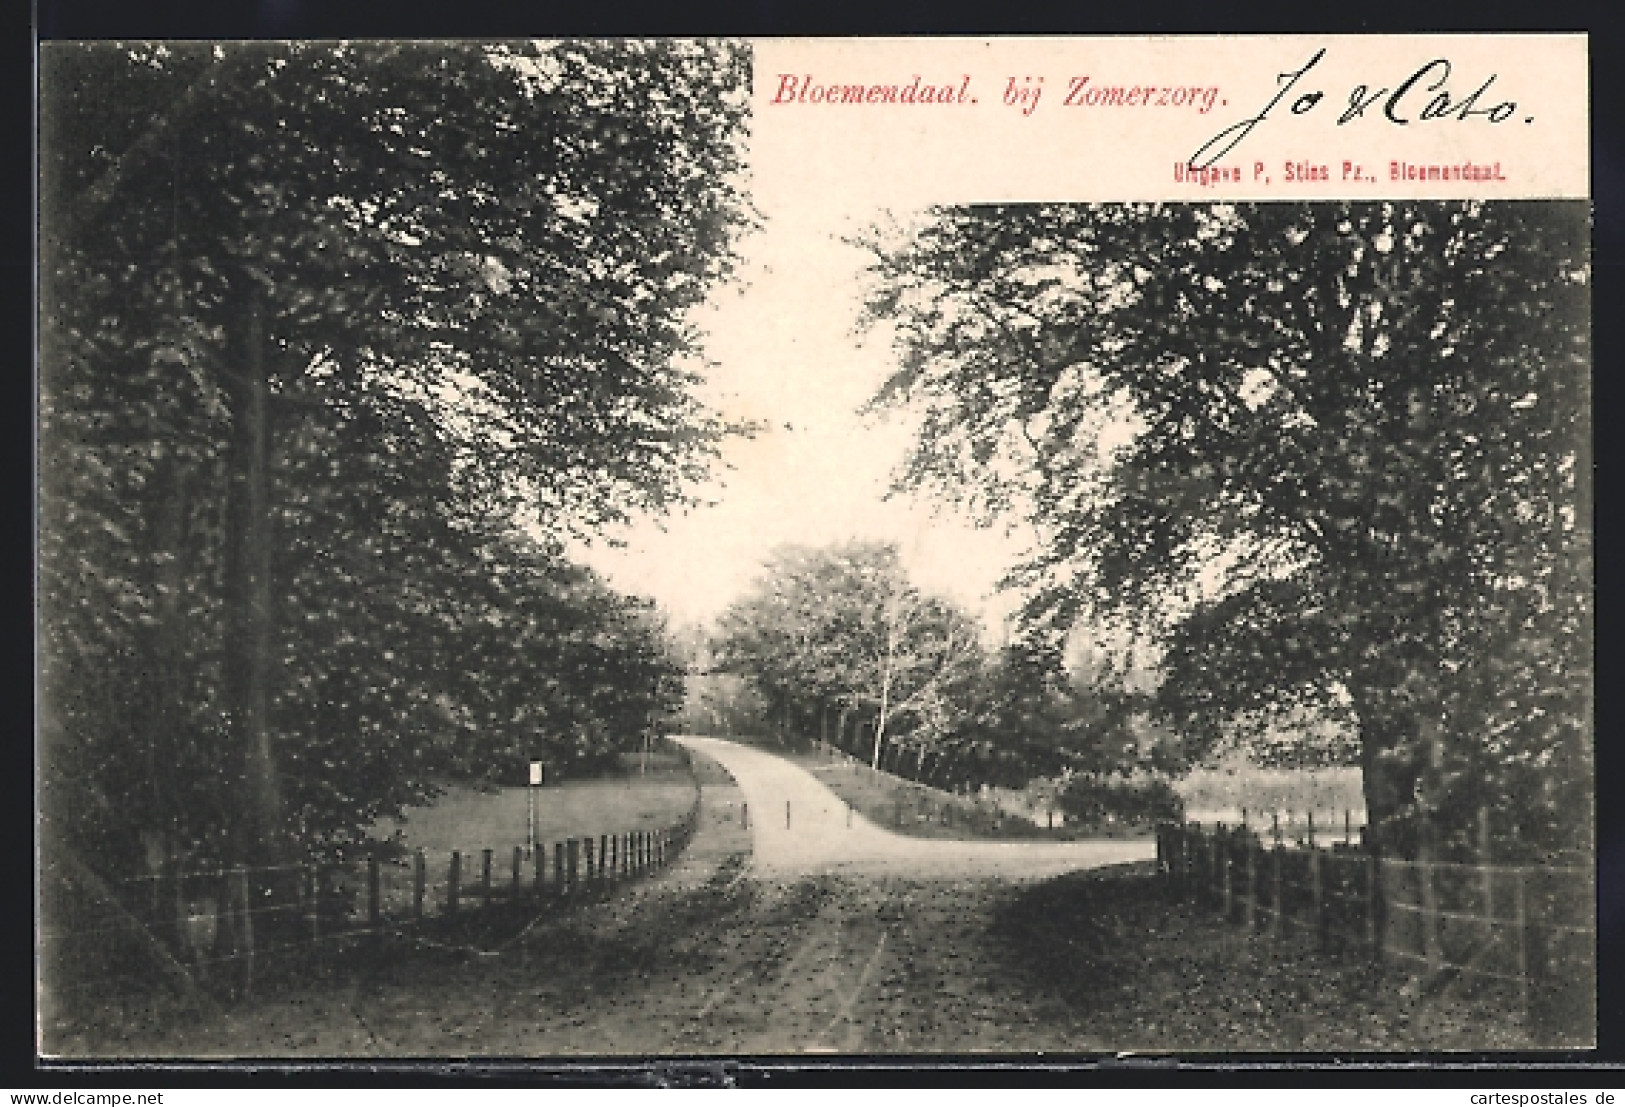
[339,342]
[837,644]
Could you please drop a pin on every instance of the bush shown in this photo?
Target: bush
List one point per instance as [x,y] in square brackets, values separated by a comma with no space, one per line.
[1138,800]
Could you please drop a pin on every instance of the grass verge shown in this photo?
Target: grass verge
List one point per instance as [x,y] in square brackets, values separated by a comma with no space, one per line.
[920,811]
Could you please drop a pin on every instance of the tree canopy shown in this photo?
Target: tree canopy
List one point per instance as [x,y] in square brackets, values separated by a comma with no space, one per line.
[338,342]
[1328,456]
[842,627]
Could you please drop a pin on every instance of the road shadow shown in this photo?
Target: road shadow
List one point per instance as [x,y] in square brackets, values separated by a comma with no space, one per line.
[1150,974]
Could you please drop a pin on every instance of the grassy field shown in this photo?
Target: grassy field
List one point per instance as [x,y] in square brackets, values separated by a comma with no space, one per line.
[1224,793]
[468,819]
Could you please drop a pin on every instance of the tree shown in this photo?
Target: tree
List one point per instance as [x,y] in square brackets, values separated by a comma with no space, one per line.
[321,324]
[1329,456]
[842,626]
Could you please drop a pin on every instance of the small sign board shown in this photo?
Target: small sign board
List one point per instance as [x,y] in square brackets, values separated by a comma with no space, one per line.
[537,774]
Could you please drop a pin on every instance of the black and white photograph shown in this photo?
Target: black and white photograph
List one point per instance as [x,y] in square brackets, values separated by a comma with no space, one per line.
[529,569]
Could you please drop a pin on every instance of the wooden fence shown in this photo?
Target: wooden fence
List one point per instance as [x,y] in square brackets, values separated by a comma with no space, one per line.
[216,930]
[1528,927]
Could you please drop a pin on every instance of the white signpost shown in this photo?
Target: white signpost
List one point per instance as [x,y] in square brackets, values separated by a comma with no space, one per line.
[536,775]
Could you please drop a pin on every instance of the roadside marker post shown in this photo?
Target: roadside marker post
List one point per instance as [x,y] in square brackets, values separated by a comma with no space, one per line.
[538,773]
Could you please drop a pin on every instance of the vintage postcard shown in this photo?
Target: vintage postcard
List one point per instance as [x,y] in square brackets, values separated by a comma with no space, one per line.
[740,548]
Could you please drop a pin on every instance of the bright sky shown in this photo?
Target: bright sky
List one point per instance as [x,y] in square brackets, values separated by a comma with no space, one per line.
[788,354]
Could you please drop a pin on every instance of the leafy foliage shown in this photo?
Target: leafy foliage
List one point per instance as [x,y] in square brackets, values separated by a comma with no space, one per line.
[1331,458]
[843,627]
[840,634]
[325,326]
[1144,801]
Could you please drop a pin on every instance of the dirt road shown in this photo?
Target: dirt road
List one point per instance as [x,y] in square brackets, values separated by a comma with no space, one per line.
[819,938]
[812,938]
[801,828]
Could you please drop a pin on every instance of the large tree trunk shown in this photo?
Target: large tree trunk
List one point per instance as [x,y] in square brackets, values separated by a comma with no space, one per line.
[247,589]
[167,675]
[1389,770]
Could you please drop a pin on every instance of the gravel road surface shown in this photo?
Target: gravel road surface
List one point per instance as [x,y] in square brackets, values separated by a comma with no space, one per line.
[801,828]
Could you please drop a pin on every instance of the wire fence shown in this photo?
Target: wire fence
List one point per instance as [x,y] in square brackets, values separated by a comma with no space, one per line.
[214,933]
[1529,927]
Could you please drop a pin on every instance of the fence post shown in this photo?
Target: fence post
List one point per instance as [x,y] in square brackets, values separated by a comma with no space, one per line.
[572,859]
[1520,931]
[420,882]
[1250,904]
[1317,897]
[1211,844]
[1429,898]
[1276,902]
[1379,901]
[589,857]
[375,913]
[744,816]
[518,866]
[614,866]
[1311,825]
[241,875]
[605,869]
[560,887]
[315,903]
[1373,927]
[454,879]
[538,860]
[485,876]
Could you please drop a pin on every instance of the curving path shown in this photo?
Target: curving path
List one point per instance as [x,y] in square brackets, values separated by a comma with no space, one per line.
[833,938]
[820,837]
